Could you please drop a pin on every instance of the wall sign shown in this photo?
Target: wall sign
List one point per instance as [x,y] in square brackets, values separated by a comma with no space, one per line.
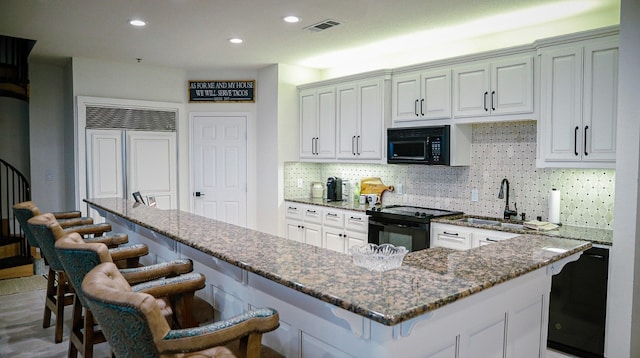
[222,91]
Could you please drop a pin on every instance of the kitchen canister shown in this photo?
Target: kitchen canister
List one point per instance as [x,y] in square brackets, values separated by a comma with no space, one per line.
[554,206]
[317,190]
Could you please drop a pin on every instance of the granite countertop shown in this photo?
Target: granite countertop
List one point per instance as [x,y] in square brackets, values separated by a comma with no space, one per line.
[345,204]
[593,235]
[427,280]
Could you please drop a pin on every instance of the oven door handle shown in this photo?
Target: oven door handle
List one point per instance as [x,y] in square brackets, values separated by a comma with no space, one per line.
[402,226]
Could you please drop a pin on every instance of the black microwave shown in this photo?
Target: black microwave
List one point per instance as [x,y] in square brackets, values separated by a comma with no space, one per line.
[419,145]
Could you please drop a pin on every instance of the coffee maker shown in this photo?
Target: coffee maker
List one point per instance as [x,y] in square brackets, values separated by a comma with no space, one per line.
[334,189]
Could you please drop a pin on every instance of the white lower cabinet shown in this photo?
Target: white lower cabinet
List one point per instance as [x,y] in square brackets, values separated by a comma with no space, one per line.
[304,223]
[485,237]
[464,238]
[333,229]
[450,236]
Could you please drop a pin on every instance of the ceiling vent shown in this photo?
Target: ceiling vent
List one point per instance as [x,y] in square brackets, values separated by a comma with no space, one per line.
[324,25]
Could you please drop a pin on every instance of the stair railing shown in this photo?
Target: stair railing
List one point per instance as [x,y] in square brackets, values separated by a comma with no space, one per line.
[14,188]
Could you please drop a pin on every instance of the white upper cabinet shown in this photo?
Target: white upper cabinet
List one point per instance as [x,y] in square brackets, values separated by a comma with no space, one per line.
[361,119]
[318,123]
[345,119]
[422,95]
[578,105]
[493,88]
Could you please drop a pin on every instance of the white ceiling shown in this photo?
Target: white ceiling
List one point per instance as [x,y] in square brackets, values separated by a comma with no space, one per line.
[193,34]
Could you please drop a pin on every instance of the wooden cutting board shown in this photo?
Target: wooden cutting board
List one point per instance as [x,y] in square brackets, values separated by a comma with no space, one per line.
[374,186]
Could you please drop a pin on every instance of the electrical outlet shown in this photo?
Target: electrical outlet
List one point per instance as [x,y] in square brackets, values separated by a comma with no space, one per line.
[49,175]
[399,189]
[474,194]
[299,182]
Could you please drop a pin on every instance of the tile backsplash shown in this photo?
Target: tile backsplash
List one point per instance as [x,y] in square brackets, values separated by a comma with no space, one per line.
[499,150]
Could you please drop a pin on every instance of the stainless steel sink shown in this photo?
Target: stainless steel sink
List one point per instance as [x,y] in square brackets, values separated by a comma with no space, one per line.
[482,221]
[512,226]
[492,223]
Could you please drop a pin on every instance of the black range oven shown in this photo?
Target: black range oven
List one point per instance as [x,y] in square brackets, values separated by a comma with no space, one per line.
[406,226]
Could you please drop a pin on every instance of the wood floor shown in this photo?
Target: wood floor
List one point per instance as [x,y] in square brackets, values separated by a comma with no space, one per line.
[21,332]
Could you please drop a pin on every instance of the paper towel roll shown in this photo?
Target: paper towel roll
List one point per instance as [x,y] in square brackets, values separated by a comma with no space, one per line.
[554,206]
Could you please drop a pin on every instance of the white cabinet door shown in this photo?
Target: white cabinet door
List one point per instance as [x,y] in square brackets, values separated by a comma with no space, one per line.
[348,120]
[151,166]
[294,230]
[360,117]
[405,96]
[436,95]
[578,107]
[512,86]
[355,239]
[502,87]
[370,140]
[318,123]
[313,234]
[105,164]
[308,123]
[333,239]
[600,101]
[471,90]
[560,104]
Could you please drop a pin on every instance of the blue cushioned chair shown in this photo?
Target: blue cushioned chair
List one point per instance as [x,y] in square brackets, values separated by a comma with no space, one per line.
[79,257]
[134,325]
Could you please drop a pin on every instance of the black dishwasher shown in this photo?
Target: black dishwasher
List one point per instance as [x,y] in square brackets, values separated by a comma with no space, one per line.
[577,306]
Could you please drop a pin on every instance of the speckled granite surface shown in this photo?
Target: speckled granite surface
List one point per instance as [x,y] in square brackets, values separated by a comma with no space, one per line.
[596,236]
[593,235]
[347,205]
[428,279]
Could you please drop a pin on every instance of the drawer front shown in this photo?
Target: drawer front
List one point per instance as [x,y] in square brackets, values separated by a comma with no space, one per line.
[293,210]
[450,236]
[333,218]
[312,214]
[356,222]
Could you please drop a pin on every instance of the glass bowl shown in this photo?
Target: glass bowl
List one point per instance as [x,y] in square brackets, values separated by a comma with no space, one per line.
[379,258]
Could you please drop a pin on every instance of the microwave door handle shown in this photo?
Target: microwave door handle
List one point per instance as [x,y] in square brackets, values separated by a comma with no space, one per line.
[427,152]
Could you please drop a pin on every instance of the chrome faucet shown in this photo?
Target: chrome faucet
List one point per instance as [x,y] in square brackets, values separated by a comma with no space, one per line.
[508,213]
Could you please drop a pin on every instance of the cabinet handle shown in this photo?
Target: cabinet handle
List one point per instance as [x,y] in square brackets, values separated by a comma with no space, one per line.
[575,142]
[448,233]
[317,145]
[332,214]
[353,146]
[313,145]
[415,108]
[485,102]
[354,218]
[422,107]
[358,145]
[490,240]
[493,100]
[585,140]
[311,211]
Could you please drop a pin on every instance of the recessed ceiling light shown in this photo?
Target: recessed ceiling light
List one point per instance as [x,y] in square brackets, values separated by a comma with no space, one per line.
[236,40]
[137,22]
[291,19]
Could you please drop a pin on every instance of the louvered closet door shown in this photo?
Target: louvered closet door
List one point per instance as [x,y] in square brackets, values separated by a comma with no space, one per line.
[151,166]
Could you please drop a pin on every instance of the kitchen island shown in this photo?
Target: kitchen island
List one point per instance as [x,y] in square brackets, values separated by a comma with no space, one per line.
[490,301]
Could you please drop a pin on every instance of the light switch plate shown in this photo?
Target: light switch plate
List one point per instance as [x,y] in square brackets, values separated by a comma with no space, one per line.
[474,194]
[299,182]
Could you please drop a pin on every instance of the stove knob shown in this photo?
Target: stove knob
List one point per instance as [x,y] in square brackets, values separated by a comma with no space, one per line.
[417,213]
[424,215]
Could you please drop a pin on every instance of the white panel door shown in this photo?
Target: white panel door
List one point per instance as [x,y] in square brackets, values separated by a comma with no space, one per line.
[219,172]
[104,163]
[151,167]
